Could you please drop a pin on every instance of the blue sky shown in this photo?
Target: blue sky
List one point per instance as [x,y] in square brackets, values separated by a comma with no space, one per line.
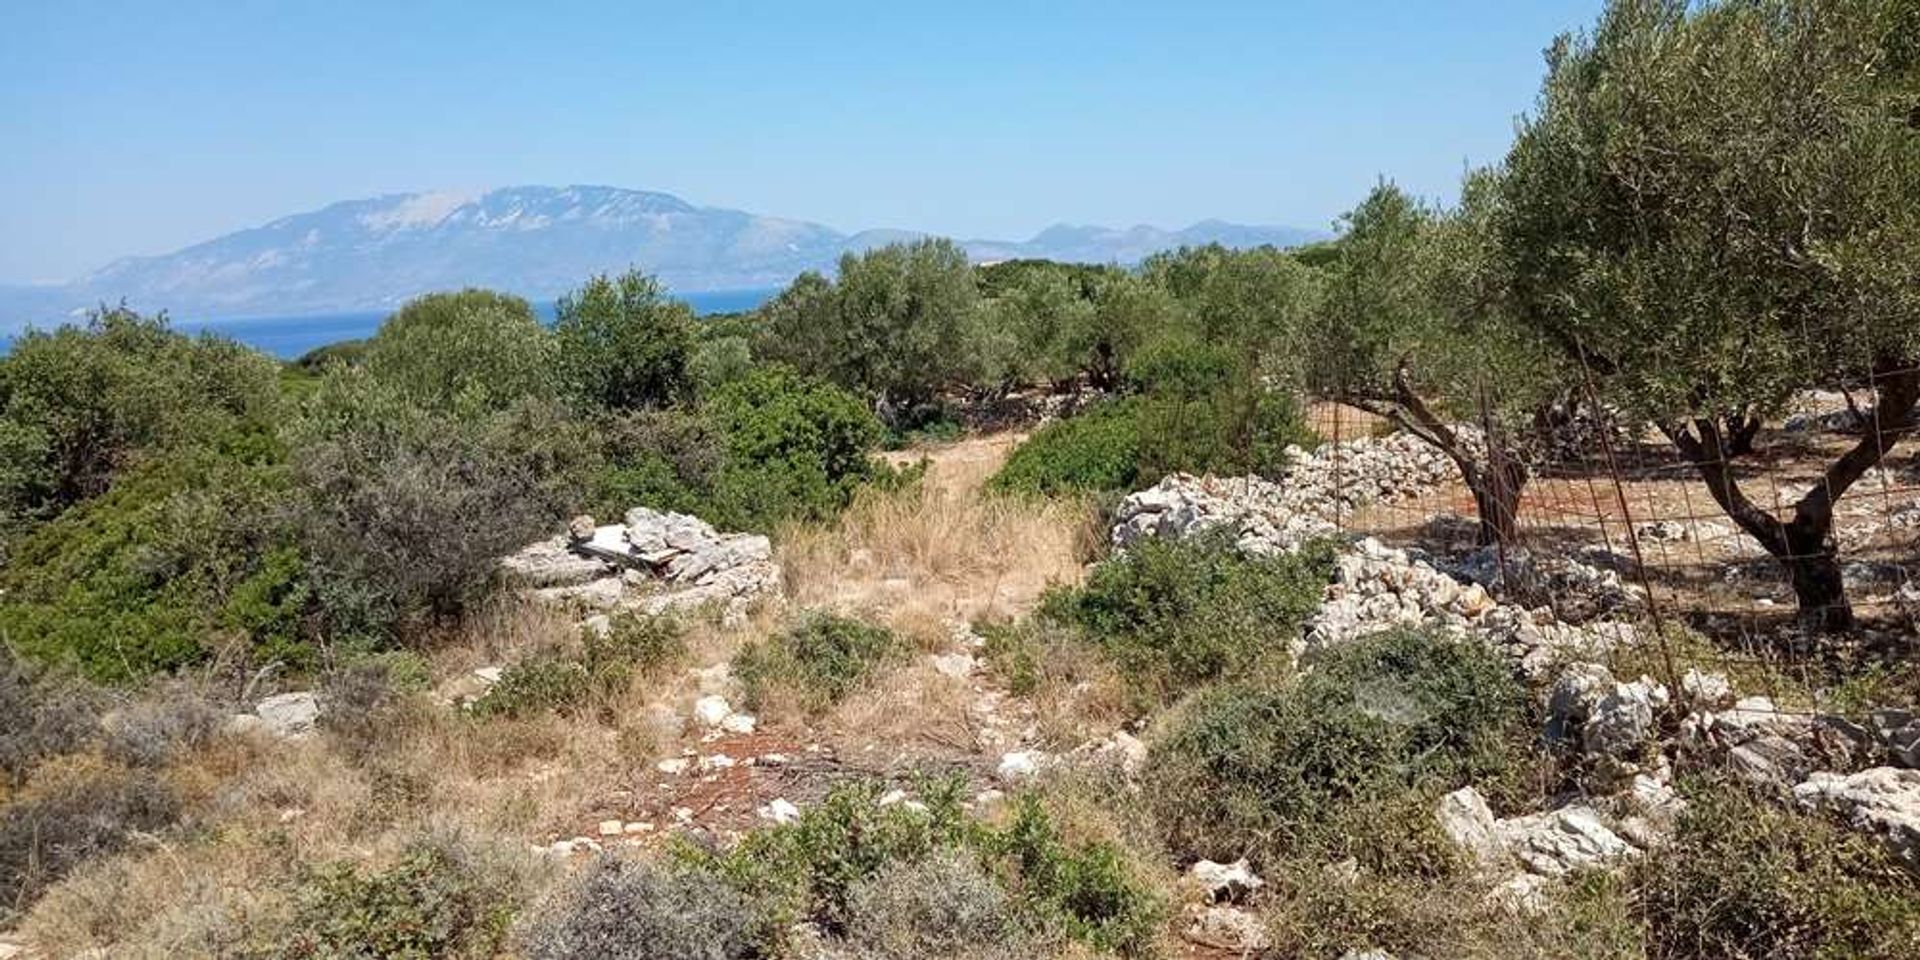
[134,128]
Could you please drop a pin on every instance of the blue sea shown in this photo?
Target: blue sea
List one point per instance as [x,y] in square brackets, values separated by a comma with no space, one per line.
[289,337]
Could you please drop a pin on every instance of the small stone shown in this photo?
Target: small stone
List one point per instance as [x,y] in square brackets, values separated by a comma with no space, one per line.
[780,810]
[1467,820]
[711,710]
[1227,928]
[673,766]
[611,828]
[742,723]
[580,528]
[1522,893]
[1899,730]
[636,827]
[1705,691]
[289,715]
[718,761]
[487,675]
[1225,882]
[1020,765]
[956,665]
[892,797]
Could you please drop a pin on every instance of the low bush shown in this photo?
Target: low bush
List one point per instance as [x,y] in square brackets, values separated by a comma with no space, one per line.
[184,552]
[167,720]
[403,512]
[945,907]
[1309,914]
[634,642]
[372,698]
[1345,760]
[635,910]
[816,662]
[541,685]
[1746,877]
[1173,613]
[73,811]
[1096,450]
[44,717]
[607,661]
[439,900]
[1084,892]
[827,868]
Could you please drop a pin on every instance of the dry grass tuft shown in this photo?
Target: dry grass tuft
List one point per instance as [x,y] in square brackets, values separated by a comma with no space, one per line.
[939,550]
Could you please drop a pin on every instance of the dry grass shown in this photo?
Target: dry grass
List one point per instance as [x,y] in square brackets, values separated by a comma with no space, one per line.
[940,550]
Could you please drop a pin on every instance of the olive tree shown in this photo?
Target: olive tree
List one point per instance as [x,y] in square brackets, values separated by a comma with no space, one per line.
[893,325]
[473,350]
[1414,327]
[1713,207]
[622,343]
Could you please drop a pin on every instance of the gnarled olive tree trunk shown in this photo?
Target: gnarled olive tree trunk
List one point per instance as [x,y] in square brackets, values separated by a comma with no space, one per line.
[1495,475]
[1804,546]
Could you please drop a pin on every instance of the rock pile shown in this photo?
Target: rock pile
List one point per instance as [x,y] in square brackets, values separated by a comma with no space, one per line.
[653,563]
[1377,588]
[287,716]
[1301,505]
[1527,852]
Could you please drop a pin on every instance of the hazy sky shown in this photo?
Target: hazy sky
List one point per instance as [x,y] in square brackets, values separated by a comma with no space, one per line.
[138,128]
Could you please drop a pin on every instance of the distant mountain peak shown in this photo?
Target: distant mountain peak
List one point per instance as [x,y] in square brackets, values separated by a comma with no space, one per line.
[536,241]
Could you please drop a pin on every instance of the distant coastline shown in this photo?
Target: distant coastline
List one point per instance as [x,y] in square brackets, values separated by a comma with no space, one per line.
[289,337]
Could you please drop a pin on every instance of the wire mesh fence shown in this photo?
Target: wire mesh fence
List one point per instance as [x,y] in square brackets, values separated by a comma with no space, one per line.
[1713,596]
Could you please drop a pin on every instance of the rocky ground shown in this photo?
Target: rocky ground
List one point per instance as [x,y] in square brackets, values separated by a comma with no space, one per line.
[1566,615]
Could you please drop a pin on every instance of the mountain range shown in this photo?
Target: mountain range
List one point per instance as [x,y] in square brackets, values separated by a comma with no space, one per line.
[535,241]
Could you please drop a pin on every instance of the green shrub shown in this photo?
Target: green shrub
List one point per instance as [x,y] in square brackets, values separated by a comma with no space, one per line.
[796,449]
[621,343]
[945,907]
[437,902]
[554,681]
[470,351]
[403,512]
[809,869]
[817,661]
[635,641]
[766,447]
[79,405]
[1173,613]
[46,716]
[827,868]
[1096,450]
[1746,877]
[1086,892]
[185,553]
[70,813]
[541,685]
[634,910]
[1345,760]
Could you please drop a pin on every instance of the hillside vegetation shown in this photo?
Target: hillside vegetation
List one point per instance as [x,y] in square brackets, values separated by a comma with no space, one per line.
[948,611]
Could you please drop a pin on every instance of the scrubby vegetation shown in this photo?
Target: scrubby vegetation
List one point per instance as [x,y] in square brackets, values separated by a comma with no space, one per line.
[1022,878]
[1175,613]
[186,527]
[1344,761]
[815,663]
[1746,878]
